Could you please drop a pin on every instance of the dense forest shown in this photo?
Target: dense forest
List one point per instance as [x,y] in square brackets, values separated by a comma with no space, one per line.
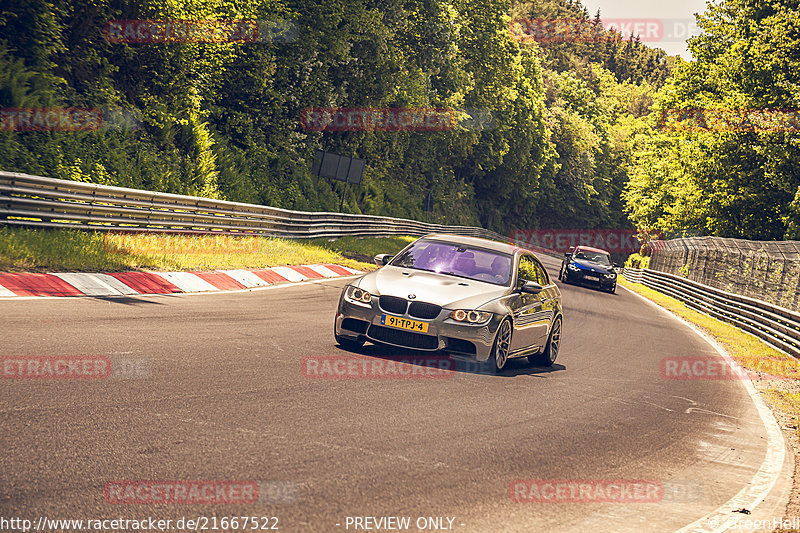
[573,138]
[737,181]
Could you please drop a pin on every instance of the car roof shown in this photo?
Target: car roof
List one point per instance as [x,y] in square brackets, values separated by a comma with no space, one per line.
[590,249]
[495,246]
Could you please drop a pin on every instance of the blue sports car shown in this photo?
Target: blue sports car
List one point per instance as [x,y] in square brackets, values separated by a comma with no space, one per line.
[589,266]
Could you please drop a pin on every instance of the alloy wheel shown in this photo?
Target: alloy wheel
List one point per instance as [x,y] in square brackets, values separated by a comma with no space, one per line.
[555,341]
[503,345]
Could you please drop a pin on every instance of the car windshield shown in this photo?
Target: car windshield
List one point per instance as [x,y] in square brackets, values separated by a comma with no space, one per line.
[594,257]
[457,260]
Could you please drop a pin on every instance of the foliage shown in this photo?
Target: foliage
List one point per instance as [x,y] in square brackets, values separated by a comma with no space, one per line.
[364,248]
[71,250]
[527,270]
[728,183]
[637,261]
[223,119]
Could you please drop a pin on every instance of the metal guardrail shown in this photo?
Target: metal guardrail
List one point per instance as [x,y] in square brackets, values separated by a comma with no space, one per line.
[766,270]
[777,326]
[36,201]
[633,274]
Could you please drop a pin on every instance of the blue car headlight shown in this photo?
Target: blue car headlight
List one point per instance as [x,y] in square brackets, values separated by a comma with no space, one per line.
[357,296]
[610,275]
[573,267]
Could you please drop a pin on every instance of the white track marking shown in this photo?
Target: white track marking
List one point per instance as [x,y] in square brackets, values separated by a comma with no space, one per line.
[187,282]
[246,278]
[288,273]
[770,470]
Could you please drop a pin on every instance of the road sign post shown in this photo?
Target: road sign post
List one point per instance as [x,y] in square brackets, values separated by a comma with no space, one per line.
[338,167]
[427,205]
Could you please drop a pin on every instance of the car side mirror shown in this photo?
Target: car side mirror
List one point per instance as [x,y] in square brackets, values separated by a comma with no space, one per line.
[566,254]
[383,259]
[531,287]
[616,265]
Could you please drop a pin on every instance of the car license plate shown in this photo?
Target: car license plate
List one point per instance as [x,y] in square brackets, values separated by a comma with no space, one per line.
[404,323]
[592,278]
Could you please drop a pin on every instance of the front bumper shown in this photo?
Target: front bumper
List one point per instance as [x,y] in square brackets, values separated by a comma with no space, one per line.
[580,277]
[465,341]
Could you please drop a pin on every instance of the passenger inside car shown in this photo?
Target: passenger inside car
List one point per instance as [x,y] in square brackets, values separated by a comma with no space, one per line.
[465,264]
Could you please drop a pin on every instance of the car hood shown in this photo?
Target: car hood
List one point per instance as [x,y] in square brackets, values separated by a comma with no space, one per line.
[592,266]
[448,291]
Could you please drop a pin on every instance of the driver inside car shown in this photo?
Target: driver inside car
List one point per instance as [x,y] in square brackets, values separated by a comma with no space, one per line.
[500,268]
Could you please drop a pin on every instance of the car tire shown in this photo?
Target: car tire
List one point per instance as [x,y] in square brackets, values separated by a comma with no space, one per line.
[561,274]
[613,289]
[347,343]
[502,345]
[550,352]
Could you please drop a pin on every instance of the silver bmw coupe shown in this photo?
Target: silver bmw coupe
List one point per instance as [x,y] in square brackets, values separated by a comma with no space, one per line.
[477,299]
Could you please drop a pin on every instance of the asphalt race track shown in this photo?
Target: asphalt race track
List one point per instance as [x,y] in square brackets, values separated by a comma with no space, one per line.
[222,397]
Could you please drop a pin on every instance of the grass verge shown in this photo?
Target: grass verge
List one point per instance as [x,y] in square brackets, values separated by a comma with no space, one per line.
[63,250]
[774,374]
[364,249]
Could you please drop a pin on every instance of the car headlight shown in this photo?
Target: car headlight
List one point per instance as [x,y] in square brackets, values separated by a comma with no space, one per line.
[357,296]
[470,316]
[610,275]
[572,267]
